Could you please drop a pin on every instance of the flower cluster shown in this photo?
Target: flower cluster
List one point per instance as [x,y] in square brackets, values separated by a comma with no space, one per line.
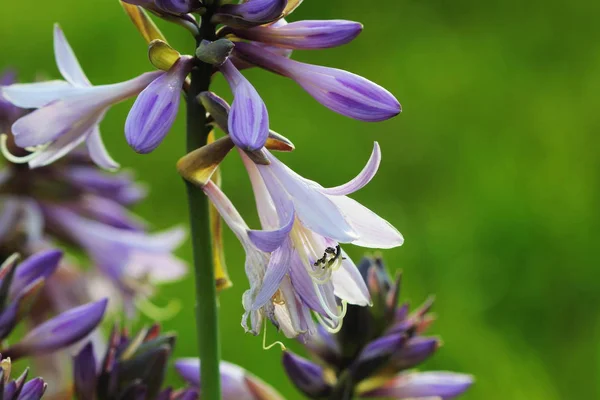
[374,352]
[20,388]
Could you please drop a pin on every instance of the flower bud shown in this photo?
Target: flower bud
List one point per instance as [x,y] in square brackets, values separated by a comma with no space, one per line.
[307,376]
[438,385]
[250,13]
[178,6]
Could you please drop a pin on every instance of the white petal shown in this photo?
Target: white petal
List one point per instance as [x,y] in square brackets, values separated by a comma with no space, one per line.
[36,95]
[349,285]
[373,231]
[67,62]
[264,203]
[98,151]
[362,178]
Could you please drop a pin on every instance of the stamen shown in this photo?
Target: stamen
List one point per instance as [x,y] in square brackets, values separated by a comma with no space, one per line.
[269,347]
[16,159]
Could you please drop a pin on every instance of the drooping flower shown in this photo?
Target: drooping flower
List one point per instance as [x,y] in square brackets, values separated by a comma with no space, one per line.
[20,286]
[68,111]
[236,382]
[20,388]
[373,354]
[132,367]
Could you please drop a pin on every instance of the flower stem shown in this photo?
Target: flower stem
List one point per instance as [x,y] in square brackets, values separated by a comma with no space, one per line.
[207,324]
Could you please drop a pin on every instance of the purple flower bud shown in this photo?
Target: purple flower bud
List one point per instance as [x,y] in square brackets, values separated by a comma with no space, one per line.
[307,376]
[61,331]
[340,91]
[252,12]
[376,355]
[416,350]
[442,385]
[32,390]
[304,34]
[248,120]
[84,372]
[156,107]
[40,265]
[178,6]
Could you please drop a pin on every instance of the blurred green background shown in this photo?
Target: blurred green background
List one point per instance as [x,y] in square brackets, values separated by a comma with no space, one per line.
[491,172]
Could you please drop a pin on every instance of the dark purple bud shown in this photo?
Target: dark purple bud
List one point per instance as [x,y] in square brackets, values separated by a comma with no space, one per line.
[442,385]
[156,107]
[84,373]
[33,390]
[340,91]
[147,367]
[217,108]
[248,120]
[250,13]
[307,376]
[376,355]
[415,351]
[178,6]
[40,265]
[59,332]
[304,34]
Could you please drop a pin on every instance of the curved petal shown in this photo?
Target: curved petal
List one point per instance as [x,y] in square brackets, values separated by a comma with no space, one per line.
[98,152]
[444,385]
[39,94]
[269,241]
[66,61]
[361,179]
[264,204]
[349,285]
[303,284]
[278,267]
[314,209]
[373,231]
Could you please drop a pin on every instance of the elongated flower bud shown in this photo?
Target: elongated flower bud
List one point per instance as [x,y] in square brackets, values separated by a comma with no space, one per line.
[155,109]
[307,376]
[251,13]
[178,6]
[304,34]
[340,91]
[248,120]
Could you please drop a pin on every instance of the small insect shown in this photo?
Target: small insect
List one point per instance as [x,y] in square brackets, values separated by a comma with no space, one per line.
[330,255]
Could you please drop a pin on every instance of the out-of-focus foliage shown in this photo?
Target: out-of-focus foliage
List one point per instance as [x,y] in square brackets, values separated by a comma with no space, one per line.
[492,171]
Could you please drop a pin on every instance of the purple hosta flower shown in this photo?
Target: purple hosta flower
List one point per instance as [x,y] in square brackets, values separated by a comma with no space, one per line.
[374,349]
[20,286]
[251,12]
[131,367]
[68,111]
[341,91]
[248,122]
[303,34]
[236,383]
[20,388]
[73,201]
[155,109]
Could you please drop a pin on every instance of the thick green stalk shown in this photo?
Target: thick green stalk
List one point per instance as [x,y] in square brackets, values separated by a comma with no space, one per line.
[207,323]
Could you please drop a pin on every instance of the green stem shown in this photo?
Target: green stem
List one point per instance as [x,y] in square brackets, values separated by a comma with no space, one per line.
[207,323]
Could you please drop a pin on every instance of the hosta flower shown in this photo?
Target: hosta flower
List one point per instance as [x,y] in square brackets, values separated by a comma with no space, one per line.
[373,354]
[131,367]
[20,388]
[20,286]
[74,202]
[68,111]
[236,383]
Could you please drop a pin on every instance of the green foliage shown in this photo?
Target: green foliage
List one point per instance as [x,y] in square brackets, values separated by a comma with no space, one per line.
[491,172]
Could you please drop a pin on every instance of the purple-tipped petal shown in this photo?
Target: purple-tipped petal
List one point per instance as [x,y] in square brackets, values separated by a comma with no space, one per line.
[33,390]
[340,91]
[155,109]
[304,34]
[278,267]
[67,62]
[248,121]
[444,385]
[362,179]
[61,331]
[307,376]
[84,372]
[40,265]
[255,11]
[269,241]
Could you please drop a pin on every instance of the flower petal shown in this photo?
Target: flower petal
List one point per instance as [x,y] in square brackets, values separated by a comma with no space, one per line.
[278,267]
[66,61]
[39,94]
[98,152]
[361,180]
[264,204]
[372,230]
[444,385]
[269,241]
[349,285]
